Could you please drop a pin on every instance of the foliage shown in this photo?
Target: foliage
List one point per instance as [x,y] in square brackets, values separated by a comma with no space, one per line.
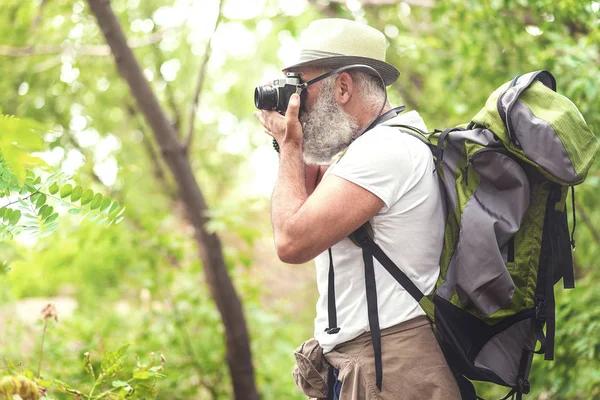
[28,196]
[140,385]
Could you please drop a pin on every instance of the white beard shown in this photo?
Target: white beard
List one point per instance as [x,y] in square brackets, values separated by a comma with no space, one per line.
[327,129]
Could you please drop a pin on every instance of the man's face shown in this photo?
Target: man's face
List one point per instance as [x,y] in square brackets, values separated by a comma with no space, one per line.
[327,129]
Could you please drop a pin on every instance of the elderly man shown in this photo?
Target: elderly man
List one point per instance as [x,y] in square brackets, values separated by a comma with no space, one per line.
[383,176]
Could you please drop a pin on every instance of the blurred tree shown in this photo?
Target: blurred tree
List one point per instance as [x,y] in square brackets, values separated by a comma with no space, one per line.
[175,155]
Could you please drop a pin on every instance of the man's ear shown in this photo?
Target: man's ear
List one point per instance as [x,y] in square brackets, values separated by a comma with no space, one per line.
[344,88]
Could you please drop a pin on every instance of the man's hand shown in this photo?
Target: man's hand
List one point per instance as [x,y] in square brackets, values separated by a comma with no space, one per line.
[285,130]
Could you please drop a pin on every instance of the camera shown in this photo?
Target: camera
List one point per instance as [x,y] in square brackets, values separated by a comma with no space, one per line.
[277,96]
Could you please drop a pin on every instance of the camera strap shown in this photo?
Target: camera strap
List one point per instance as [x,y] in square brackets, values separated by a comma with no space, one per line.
[326,75]
[386,116]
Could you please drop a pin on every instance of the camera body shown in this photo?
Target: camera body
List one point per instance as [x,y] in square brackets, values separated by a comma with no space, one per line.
[277,96]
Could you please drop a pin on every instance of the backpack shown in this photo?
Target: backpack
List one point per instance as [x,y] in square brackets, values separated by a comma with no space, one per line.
[505,178]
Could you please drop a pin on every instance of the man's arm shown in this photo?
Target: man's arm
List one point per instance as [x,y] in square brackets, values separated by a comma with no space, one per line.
[305,226]
[313,175]
[335,209]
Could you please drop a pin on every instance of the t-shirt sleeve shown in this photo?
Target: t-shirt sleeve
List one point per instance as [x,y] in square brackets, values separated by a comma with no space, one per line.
[379,162]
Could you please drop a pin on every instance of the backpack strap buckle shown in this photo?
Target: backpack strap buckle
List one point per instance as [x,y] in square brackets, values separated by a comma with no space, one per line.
[540,311]
[523,386]
[362,236]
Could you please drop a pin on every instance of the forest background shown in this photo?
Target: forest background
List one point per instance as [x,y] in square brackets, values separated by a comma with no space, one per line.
[194,171]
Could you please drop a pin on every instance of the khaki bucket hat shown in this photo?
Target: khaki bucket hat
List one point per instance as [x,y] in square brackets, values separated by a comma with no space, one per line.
[336,42]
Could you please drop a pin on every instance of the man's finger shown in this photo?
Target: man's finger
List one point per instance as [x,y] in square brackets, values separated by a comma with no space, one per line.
[260,117]
[293,106]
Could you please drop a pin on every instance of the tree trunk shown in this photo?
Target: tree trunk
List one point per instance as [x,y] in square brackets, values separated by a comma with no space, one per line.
[239,356]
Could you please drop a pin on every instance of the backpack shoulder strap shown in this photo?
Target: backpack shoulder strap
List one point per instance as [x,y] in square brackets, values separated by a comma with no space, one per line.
[363,237]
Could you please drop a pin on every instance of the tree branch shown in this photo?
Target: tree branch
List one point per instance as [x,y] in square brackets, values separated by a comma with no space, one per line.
[200,82]
[170,95]
[82,50]
[38,17]
[239,357]
[153,155]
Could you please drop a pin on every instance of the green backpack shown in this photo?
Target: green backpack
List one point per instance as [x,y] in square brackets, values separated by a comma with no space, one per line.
[505,176]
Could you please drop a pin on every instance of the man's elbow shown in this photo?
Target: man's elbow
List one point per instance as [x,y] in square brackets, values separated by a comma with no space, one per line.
[289,252]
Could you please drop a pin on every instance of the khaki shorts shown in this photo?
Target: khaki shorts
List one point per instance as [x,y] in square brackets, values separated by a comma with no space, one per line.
[413,365]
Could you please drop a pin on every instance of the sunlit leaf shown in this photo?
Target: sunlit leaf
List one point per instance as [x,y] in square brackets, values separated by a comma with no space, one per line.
[105,203]
[51,218]
[14,217]
[66,190]
[45,211]
[113,208]
[96,201]
[41,200]
[76,194]
[53,189]
[86,197]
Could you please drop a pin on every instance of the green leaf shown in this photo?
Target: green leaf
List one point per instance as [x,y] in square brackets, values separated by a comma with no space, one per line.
[52,227]
[6,175]
[120,212]
[51,218]
[120,384]
[96,201]
[113,208]
[41,200]
[14,218]
[113,360]
[86,197]
[76,194]
[66,190]
[45,211]
[113,357]
[105,203]
[7,213]
[103,220]
[75,211]
[53,189]
[2,211]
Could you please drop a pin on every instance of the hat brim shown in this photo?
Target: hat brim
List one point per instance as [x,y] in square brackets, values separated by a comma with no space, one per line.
[388,72]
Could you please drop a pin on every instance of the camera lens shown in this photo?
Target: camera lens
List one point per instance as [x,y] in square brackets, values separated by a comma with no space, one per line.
[265,97]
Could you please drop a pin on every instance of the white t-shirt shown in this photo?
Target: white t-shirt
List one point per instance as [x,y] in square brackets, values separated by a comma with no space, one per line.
[397,168]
